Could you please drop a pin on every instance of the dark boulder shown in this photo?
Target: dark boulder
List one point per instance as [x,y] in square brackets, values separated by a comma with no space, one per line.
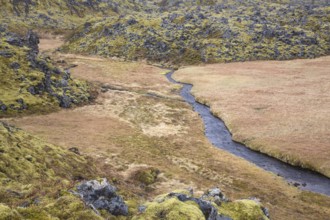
[102,195]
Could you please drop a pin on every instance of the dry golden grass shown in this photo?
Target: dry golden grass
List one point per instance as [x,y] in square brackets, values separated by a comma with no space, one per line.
[281,108]
[113,132]
[50,43]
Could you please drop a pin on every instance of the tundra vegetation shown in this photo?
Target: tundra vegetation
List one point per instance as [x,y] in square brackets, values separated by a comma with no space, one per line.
[111,138]
[274,107]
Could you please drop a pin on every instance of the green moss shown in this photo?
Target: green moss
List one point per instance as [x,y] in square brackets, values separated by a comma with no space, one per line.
[7,213]
[34,213]
[30,167]
[71,207]
[171,209]
[147,176]
[242,210]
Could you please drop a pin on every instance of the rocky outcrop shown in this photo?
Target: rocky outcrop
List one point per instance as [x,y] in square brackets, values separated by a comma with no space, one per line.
[30,82]
[211,33]
[100,195]
[213,205]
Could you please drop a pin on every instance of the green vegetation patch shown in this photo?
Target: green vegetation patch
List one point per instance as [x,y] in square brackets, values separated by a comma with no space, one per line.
[35,177]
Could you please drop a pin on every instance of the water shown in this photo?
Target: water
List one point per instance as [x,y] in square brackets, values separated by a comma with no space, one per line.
[219,135]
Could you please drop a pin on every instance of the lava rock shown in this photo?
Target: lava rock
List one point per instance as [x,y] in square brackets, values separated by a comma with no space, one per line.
[15,65]
[14,40]
[65,101]
[132,21]
[6,54]
[209,211]
[102,195]
[74,150]
[22,103]
[3,107]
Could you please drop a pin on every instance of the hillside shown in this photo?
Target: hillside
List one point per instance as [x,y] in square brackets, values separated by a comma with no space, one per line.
[57,15]
[31,83]
[217,33]
[35,177]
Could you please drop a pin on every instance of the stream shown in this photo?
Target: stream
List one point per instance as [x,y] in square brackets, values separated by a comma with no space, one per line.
[219,135]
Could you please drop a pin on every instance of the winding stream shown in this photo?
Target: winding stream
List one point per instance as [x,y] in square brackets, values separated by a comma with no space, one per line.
[218,134]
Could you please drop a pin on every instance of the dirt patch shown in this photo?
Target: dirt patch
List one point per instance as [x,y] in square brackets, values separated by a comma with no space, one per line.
[280,108]
[50,43]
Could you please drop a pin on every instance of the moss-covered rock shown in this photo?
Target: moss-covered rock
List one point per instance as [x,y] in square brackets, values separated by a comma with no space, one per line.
[245,209]
[183,205]
[216,32]
[171,209]
[30,83]
[34,173]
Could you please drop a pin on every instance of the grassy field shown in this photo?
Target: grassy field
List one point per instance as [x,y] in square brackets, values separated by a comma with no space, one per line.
[139,121]
[279,108]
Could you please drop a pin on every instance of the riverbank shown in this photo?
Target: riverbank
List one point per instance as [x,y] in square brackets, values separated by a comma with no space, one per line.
[274,107]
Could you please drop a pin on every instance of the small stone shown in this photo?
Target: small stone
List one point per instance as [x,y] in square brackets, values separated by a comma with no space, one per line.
[15,65]
[32,90]
[29,158]
[296,184]
[24,204]
[142,208]
[214,192]
[3,107]
[265,211]
[74,150]
[6,54]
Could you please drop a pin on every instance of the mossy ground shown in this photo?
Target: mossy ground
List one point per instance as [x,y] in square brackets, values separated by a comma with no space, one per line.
[35,177]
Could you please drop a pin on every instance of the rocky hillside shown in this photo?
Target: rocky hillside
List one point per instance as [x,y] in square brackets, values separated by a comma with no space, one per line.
[61,14]
[237,31]
[30,83]
[35,177]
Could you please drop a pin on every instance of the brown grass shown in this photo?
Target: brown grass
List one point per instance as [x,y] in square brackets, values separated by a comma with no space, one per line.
[281,108]
[50,43]
[113,131]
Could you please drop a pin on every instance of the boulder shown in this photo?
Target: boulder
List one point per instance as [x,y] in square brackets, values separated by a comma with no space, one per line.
[102,195]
